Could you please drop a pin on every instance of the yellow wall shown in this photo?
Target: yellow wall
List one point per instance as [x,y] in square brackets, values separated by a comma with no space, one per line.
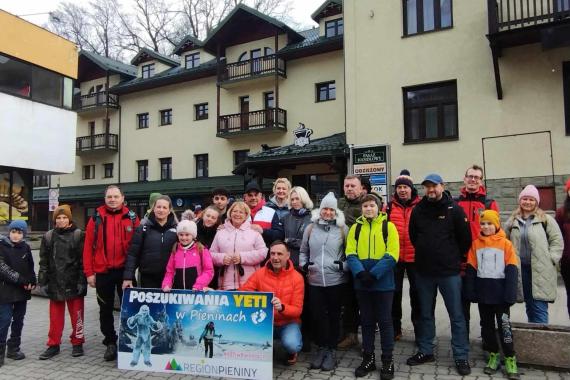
[204,56]
[36,45]
[158,67]
[233,52]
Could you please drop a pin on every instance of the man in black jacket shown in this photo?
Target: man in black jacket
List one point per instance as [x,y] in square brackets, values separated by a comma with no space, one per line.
[440,233]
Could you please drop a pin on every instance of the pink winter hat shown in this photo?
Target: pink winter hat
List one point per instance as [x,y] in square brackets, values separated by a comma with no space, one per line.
[530,191]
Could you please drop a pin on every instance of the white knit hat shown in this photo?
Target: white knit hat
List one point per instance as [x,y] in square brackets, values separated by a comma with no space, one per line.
[187,226]
[329,201]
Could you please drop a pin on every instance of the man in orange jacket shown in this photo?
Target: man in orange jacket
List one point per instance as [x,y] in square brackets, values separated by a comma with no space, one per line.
[279,277]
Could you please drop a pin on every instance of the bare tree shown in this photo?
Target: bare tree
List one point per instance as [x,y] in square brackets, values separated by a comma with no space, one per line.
[71,21]
[106,27]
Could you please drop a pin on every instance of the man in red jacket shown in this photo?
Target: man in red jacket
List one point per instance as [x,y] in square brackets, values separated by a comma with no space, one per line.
[107,238]
[279,277]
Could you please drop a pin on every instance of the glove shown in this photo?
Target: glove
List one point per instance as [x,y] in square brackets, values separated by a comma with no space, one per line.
[340,265]
[306,266]
[365,278]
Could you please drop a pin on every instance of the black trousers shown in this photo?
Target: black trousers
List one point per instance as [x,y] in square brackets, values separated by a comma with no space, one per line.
[151,280]
[325,309]
[376,308]
[107,284]
[501,314]
[349,309]
[208,345]
[399,271]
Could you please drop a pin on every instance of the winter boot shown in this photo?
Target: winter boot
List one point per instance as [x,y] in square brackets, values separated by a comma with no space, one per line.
[14,353]
[110,353]
[77,350]
[511,368]
[329,362]
[2,354]
[493,363]
[49,353]
[368,364]
[317,361]
[387,370]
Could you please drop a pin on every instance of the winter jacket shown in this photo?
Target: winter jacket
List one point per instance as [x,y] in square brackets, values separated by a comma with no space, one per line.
[294,224]
[267,218]
[473,204]
[546,247]
[440,234]
[248,243]
[492,271]
[189,268]
[352,209]
[206,234]
[111,243]
[399,214]
[151,247]
[61,263]
[287,285]
[322,249]
[369,253]
[16,271]
[280,210]
[564,225]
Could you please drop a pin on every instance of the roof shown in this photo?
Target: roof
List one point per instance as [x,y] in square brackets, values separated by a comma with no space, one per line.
[317,15]
[145,54]
[108,64]
[188,43]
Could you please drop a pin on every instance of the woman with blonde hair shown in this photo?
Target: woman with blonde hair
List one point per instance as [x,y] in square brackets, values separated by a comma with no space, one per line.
[280,199]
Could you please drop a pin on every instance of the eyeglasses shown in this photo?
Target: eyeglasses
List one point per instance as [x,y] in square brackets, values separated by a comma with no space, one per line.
[473,177]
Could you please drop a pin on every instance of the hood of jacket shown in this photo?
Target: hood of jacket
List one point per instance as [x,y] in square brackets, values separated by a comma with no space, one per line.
[481,192]
[6,241]
[413,201]
[445,201]
[495,237]
[339,219]
[244,226]
[288,267]
[152,223]
[273,204]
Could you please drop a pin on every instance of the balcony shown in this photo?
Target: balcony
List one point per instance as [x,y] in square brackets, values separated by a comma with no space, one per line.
[255,122]
[262,67]
[104,142]
[95,102]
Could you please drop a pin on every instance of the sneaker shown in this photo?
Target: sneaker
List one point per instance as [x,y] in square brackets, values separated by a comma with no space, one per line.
[419,358]
[49,353]
[317,361]
[493,363]
[110,353]
[387,370]
[15,354]
[329,362]
[462,367]
[77,350]
[292,359]
[368,365]
[511,368]
[350,341]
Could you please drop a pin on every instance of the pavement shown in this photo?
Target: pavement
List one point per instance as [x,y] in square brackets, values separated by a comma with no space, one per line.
[92,367]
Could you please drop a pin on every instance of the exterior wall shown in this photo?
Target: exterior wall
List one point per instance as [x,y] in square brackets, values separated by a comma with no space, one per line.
[531,78]
[233,52]
[323,22]
[158,67]
[204,56]
[85,86]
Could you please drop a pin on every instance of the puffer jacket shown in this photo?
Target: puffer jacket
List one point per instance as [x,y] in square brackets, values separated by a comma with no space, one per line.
[248,243]
[294,224]
[189,268]
[150,248]
[564,224]
[352,209]
[61,263]
[473,204]
[322,249]
[399,214]
[16,270]
[287,285]
[371,254]
[280,210]
[546,250]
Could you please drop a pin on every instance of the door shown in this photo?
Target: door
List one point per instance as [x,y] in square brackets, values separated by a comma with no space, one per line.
[269,106]
[256,61]
[244,111]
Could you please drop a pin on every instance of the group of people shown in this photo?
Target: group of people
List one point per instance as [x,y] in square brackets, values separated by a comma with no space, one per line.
[331,268]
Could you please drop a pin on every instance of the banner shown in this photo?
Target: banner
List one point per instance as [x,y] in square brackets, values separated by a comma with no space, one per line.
[215,333]
[373,162]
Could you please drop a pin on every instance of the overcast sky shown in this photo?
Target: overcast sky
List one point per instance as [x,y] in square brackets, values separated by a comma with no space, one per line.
[301,13]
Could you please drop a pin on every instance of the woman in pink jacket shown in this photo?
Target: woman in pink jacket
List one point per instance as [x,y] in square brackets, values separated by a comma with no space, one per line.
[190,264]
[237,248]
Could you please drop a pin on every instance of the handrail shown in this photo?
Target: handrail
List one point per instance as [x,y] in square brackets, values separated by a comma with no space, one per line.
[267,64]
[270,118]
[515,14]
[99,141]
[96,99]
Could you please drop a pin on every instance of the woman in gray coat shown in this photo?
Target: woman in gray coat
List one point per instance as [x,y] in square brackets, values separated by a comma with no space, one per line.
[322,258]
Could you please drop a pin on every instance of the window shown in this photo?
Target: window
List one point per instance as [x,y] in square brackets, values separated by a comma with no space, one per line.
[166,117]
[334,28]
[426,15]
[242,57]
[88,171]
[326,91]
[41,181]
[142,119]
[148,71]
[430,112]
[201,165]
[566,86]
[142,170]
[201,111]
[192,60]
[108,170]
[267,51]
[268,100]
[240,156]
[166,168]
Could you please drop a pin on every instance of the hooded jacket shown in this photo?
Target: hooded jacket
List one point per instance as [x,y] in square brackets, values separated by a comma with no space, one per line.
[189,268]
[322,249]
[473,204]
[441,236]
[280,210]
[400,214]
[151,247]
[352,209]
[248,243]
[16,270]
[61,264]
[295,223]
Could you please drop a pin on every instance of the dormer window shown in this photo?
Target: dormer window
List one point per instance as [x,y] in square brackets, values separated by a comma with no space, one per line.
[148,71]
[334,28]
[192,60]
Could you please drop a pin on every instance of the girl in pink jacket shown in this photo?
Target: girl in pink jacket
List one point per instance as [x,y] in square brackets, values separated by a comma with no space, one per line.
[190,264]
[237,249]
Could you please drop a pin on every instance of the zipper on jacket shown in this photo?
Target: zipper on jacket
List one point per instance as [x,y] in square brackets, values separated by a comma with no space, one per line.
[184,269]
[369,238]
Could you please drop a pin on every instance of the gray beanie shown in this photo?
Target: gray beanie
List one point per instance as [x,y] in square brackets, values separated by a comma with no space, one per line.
[187,226]
[329,201]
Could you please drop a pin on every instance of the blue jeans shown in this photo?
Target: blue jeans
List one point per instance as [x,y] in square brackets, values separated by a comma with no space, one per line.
[290,336]
[450,289]
[536,311]
[12,317]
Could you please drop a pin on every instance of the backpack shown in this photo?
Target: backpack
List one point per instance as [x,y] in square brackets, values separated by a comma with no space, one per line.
[74,242]
[98,220]
[384,232]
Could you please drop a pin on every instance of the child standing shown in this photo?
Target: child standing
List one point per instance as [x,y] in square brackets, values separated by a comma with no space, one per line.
[190,265]
[492,281]
[17,279]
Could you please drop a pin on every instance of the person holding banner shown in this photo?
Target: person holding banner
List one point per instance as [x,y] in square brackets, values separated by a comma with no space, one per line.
[280,277]
[237,248]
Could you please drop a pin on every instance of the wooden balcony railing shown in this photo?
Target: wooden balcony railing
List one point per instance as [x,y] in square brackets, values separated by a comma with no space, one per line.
[515,14]
[252,68]
[103,141]
[96,99]
[256,121]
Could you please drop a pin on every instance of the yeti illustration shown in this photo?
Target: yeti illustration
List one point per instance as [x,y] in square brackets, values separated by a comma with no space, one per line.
[145,326]
[208,335]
